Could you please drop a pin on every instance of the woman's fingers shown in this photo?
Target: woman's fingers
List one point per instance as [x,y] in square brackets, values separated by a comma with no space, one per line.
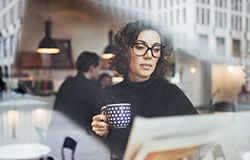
[99,129]
[99,126]
[99,118]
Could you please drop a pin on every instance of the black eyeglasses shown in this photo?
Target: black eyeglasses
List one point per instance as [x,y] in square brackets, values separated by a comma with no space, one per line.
[140,49]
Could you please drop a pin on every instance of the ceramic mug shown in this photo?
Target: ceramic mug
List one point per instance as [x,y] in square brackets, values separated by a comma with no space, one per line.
[118,114]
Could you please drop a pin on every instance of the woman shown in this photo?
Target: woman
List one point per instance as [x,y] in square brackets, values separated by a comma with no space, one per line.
[139,50]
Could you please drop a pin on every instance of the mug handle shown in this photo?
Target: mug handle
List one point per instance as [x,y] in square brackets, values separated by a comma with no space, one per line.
[103,110]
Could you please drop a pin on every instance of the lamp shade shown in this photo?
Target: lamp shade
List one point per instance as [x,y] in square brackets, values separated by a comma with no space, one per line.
[47,44]
[108,52]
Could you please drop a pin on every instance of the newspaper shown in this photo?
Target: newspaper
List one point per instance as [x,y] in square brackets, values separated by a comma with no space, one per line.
[181,133]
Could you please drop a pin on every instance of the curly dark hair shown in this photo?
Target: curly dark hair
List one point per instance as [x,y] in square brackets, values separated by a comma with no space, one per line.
[128,35]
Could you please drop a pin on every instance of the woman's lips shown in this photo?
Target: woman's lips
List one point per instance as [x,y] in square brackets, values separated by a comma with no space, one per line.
[146,66]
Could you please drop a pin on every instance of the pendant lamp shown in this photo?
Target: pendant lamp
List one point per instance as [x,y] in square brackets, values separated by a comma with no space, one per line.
[108,52]
[47,44]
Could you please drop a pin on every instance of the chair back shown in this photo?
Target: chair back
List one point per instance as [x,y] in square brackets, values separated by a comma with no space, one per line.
[69,143]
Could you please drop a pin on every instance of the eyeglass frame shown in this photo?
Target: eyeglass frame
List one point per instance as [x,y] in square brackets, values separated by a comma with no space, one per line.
[148,48]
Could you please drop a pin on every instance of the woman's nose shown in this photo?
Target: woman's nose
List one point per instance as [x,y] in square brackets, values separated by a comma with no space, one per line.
[148,54]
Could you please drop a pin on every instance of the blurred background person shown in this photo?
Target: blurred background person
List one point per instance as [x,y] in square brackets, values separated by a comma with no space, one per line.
[78,95]
[104,80]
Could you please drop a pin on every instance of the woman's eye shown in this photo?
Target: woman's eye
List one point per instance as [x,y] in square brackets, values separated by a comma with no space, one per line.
[157,49]
[140,47]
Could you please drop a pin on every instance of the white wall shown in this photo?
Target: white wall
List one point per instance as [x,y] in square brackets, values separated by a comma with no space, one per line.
[87,29]
[227,82]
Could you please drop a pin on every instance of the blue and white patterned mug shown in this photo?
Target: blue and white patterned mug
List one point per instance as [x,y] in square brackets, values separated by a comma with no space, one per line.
[118,114]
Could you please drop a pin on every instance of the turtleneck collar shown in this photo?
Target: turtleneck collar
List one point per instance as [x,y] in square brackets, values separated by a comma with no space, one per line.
[138,85]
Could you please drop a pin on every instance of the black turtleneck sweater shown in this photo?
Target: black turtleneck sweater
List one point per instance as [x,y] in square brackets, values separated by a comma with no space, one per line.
[151,98]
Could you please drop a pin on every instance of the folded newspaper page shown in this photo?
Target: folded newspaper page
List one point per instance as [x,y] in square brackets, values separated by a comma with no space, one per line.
[190,136]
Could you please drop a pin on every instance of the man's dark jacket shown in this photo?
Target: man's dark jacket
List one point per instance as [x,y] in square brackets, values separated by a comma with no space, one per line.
[77,98]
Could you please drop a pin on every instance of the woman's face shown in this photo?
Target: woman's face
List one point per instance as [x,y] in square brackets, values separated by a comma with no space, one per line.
[141,67]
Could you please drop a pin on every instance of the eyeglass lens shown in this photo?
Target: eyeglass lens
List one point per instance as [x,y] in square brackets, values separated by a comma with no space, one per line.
[140,49]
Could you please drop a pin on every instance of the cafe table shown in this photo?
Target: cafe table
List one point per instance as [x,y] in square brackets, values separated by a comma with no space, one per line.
[19,117]
[23,151]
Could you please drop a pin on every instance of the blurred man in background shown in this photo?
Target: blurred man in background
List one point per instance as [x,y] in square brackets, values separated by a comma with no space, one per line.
[78,95]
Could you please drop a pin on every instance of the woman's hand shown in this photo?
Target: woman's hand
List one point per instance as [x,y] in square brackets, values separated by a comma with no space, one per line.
[99,125]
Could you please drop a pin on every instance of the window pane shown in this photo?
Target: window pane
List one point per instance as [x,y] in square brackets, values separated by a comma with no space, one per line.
[236,48]
[221,45]
[197,15]
[208,16]
[184,15]
[12,45]
[0,49]
[248,46]
[5,48]
[177,19]
[171,17]
[203,39]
